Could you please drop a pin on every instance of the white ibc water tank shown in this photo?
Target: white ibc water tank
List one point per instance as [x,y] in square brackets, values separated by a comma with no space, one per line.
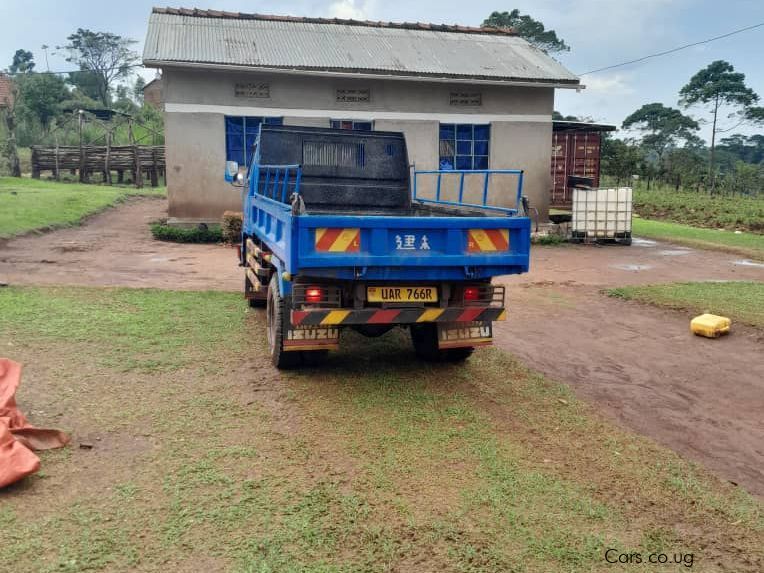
[602,213]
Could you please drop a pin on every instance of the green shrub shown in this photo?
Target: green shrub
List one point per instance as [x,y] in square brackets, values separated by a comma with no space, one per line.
[230,226]
[549,239]
[165,232]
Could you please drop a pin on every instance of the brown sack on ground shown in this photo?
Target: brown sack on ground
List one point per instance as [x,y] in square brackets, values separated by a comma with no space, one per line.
[17,437]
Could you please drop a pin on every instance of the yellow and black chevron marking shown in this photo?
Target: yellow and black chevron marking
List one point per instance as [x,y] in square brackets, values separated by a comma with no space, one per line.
[487,240]
[396,315]
[330,240]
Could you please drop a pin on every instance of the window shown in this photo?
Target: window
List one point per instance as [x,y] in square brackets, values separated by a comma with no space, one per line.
[464,146]
[352,124]
[240,135]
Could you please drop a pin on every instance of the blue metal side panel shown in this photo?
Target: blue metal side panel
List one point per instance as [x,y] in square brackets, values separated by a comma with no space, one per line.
[272,222]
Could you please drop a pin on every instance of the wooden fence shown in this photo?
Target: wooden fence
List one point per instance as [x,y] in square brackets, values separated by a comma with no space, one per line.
[138,160]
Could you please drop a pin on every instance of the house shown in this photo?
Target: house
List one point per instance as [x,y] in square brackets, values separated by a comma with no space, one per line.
[6,91]
[152,93]
[466,98]
[576,149]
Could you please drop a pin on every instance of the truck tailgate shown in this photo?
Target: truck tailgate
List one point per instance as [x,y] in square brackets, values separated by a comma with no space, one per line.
[410,247]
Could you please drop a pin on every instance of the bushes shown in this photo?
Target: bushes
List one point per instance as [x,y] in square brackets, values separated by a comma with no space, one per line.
[202,234]
[229,231]
[548,239]
[701,209]
[230,226]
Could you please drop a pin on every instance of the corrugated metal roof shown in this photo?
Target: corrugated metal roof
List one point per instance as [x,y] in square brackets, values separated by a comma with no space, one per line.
[564,125]
[348,47]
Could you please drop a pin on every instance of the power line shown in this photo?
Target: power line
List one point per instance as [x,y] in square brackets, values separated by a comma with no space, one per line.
[8,73]
[671,51]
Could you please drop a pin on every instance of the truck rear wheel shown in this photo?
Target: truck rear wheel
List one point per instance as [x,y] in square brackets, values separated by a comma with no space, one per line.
[275,324]
[425,339]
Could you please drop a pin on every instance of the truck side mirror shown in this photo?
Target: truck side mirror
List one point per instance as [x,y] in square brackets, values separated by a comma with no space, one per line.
[231,171]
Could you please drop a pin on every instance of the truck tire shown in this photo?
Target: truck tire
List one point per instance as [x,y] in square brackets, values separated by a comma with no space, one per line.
[425,339]
[275,324]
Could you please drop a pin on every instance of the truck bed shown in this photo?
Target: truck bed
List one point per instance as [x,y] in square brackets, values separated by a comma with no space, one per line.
[339,205]
[413,210]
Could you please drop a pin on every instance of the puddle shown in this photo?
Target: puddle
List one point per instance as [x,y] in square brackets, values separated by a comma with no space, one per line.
[674,252]
[637,242]
[748,263]
[628,267]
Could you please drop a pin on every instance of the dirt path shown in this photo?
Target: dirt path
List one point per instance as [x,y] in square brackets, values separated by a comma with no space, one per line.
[703,398]
[640,364]
[115,248]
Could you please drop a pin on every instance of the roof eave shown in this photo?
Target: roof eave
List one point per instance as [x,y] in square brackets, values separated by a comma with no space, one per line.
[519,82]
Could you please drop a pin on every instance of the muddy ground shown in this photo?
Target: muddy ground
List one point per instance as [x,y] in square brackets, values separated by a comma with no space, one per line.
[640,364]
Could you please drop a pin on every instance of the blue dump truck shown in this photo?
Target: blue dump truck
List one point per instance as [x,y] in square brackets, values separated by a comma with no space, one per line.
[337,233]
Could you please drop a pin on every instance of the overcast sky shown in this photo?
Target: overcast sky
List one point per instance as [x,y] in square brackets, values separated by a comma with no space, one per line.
[600,33]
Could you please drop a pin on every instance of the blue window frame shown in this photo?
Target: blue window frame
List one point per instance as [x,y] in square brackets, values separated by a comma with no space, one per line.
[464,146]
[240,135]
[361,125]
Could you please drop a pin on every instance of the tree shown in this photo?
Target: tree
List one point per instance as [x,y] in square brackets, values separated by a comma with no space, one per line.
[40,97]
[103,58]
[86,85]
[557,116]
[620,159]
[528,28]
[744,179]
[8,114]
[23,62]
[719,86]
[140,83]
[685,167]
[662,127]
[123,101]
[748,149]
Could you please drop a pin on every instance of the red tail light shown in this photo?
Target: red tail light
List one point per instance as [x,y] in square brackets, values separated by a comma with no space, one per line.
[471,293]
[314,294]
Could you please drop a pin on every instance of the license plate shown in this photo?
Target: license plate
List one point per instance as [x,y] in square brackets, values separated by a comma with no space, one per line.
[401,294]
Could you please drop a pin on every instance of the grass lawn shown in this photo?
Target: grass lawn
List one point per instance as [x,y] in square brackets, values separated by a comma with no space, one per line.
[742,301]
[701,209]
[31,204]
[744,244]
[206,458]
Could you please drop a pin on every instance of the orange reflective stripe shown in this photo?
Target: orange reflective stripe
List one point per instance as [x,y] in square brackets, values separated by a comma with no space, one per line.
[499,238]
[325,238]
[338,240]
[487,240]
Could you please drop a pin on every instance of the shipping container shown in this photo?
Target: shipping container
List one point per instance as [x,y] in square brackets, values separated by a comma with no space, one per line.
[576,148]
